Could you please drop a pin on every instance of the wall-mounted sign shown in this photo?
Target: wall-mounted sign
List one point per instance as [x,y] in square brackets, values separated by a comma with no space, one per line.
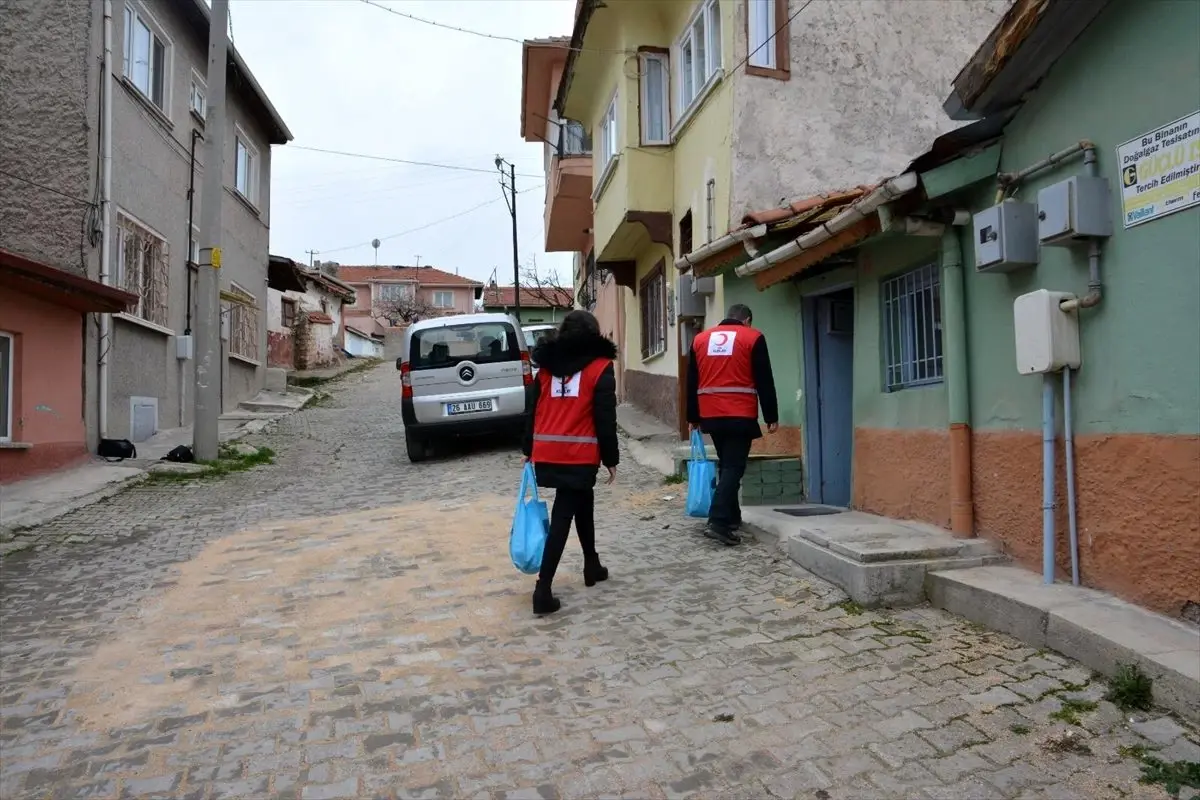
[1160,171]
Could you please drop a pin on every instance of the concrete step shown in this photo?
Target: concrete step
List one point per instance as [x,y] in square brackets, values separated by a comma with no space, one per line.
[276,402]
[875,560]
[1092,627]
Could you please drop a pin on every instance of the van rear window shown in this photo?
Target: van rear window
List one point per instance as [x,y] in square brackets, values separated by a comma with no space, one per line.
[479,342]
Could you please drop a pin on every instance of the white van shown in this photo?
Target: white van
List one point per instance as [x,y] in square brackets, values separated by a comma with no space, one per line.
[463,374]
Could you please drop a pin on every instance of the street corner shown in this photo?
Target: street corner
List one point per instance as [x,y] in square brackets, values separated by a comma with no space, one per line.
[389,595]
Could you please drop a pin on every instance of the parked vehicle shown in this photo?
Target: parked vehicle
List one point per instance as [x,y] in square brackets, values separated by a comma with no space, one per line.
[534,334]
[463,374]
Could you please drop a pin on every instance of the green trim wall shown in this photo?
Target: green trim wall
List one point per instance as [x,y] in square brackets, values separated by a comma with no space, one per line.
[777,315]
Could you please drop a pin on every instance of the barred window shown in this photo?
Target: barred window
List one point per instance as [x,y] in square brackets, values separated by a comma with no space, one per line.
[653,298]
[243,324]
[912,328]
[143,269]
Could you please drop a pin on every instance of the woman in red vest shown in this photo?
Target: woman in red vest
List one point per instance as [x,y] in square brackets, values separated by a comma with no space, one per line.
[572,431]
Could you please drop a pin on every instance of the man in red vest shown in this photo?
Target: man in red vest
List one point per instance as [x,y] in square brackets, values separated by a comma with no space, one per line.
[729,378]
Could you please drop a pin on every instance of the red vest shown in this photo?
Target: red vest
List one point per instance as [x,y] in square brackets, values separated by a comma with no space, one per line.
[564,431]
[726,372]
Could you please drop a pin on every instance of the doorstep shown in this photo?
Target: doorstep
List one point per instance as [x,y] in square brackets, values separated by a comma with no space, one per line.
[1094,628]
[877,561]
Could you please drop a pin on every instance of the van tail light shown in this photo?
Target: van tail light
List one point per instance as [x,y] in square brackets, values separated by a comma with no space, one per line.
[526,369]
[406,380]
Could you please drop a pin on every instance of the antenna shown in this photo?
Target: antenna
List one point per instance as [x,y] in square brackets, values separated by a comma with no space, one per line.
[312,253]
[418,260]
[375,244]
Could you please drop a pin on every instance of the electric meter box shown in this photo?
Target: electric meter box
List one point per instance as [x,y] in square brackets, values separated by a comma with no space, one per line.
[1047,336]
[1006,237]
[691,304]
[705,286]
[1074,209]
[183,347]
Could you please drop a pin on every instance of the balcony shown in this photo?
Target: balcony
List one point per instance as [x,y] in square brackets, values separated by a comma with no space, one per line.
[569,191]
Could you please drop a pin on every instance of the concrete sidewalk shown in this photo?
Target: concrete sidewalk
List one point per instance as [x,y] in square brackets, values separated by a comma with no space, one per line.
[653,443]
[33,502]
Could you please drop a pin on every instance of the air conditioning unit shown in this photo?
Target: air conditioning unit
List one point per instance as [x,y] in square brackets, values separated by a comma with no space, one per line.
[704,286]
[690,302]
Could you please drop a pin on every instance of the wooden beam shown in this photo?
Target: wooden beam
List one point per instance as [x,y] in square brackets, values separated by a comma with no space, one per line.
[802,261]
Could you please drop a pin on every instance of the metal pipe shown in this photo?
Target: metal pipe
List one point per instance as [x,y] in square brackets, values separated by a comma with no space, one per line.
[1047,479]
[1006,179]
[1069,438]
[104,344]
[954,334]
[191,197]
[1095,284]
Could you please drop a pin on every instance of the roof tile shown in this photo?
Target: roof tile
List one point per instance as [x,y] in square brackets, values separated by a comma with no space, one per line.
[426,276]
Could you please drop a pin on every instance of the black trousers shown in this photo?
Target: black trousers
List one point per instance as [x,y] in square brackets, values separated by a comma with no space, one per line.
[733,451]
[569,504]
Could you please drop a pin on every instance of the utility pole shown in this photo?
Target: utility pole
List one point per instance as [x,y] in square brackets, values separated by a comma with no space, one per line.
[512,209]
[312,253]
[206,428]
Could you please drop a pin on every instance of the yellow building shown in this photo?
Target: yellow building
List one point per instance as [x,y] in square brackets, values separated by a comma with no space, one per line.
[661,163]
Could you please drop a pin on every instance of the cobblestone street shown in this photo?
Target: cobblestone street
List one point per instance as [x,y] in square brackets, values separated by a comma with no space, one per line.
[345,624]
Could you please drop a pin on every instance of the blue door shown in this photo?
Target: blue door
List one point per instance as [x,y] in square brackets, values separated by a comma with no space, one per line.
[834,337]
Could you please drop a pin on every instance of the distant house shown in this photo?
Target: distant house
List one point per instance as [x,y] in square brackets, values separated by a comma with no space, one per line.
[394,297]
[305,329]
[538,304]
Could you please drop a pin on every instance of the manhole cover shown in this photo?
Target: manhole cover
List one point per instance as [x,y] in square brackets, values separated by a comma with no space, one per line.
[810,511]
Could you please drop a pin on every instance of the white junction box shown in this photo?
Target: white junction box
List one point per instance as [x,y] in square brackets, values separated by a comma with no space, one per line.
[1006,237]
[183,347]
[1074,209]
[1047,336]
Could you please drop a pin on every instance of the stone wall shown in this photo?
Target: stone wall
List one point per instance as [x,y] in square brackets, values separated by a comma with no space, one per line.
[772,481]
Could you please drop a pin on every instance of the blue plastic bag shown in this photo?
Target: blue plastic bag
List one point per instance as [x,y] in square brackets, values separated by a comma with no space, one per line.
[702,479]
[530,528]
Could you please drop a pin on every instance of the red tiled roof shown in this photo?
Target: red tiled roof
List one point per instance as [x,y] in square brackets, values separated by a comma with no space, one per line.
[806,208]
[319,317]
[426,276]
[547,297]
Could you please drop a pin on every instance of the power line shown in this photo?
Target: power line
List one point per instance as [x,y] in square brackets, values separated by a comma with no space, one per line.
[493,36]
[771,38]
[50,189]
[402,160]
[426,225]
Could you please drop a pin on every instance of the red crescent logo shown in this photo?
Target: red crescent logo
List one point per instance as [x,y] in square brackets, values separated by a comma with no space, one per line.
[722,339]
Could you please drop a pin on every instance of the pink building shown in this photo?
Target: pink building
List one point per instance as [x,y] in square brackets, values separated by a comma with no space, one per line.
[43,313]
[392,297]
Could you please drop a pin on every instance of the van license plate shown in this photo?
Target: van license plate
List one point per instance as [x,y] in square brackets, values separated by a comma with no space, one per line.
[469,407]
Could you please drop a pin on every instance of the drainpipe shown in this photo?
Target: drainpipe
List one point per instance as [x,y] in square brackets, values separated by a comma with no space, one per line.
[1047,479]
[187,271]
[954,335]
[105,341]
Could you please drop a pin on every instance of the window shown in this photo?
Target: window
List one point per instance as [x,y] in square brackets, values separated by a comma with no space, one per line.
[768,38]
[685,233]
[653,295]
[710,209]
[393,292]
[142,269]
[147,60]
[478,342]
[287,315]
[443,299]
[699,53]
[245,168]
[653,79]
[7,379]
[196,99]
[573,139]
[243,324]
[912,328]
[608,135]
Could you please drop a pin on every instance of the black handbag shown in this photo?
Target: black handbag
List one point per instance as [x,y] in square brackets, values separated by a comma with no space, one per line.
[116,449]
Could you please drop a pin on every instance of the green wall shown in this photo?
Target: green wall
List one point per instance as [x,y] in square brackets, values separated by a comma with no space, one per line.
[916,407]
[777,315]
[1136,68]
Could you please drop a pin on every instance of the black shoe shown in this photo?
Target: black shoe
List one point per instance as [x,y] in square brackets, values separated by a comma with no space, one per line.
[594,572]
[722,535]
[544,602]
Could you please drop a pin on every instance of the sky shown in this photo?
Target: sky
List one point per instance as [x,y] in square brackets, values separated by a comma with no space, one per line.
[350,76]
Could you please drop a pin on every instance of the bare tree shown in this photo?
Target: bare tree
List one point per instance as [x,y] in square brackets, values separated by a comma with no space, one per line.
[545,285]
[402,310]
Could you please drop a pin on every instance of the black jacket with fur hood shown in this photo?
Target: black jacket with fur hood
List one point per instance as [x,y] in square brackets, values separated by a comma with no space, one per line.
[561,357]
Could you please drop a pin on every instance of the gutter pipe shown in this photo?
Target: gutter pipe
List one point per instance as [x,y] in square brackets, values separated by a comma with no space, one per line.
[864,207]
[954,319]
[1048,437]
[689,260]
[105,339]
